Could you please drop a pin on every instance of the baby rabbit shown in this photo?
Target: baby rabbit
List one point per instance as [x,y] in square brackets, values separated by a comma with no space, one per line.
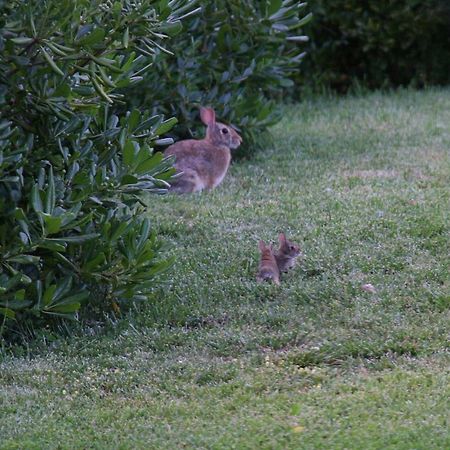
[203,163]
[286,254]
[268,268]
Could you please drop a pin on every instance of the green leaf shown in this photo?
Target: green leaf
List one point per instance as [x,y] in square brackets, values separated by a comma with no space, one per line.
[118,231]
[19,295]
[147,165]
[129,62]
[61,258]
[128,179]
[166,126]
[161,267]
[304,21]
[63,47]
[52,224]
[63,288]
[109,63]
[63,90]
[96,36]
[56,50]
[126,37]
[52,63]
[94,263]
[104,77]
[148,123]
[100,91]
[130,151]
[18,303]
[144,233]
[9,313]
[24,259]
[274,6]
[133,119]
[22,40]
[171,28]
[69,308]
[75,298]
[78,222]
[36,199]
[50,195]
[117,7]
[74,239]
[49,294]
[50,244]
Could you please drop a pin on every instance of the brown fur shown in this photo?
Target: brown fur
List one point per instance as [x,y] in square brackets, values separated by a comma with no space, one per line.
[287,253]
[203,163]
[268,268]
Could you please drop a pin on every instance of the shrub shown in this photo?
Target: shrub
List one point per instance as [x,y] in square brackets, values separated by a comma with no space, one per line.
[380,43]
[237,56]
[72,227]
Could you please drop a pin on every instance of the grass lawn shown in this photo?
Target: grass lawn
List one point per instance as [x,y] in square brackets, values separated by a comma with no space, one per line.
[218,361]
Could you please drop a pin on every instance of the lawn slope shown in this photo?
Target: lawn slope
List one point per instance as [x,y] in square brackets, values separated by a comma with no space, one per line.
[218,361]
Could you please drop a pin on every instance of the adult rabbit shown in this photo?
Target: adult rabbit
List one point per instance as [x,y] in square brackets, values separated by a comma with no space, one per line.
[203,163]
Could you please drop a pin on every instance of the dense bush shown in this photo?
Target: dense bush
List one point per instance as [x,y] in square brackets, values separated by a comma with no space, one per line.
[237,56]
[378,43]
[72,230]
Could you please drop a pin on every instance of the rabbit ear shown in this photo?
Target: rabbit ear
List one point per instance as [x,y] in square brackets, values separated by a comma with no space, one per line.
[282,238]
[208,116]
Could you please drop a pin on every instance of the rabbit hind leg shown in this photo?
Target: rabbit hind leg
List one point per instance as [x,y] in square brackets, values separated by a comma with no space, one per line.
[187,183]
[261,278]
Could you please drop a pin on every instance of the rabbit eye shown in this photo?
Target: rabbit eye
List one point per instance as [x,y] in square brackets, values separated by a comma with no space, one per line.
[224,131]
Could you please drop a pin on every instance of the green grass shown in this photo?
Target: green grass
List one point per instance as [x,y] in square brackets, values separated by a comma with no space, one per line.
[219,361]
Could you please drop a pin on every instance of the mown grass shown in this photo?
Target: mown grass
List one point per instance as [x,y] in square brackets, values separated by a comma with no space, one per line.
[218,361]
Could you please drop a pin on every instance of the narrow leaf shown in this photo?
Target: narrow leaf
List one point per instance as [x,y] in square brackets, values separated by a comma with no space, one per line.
[50,196]
[22,40]
[36,199]
[49,294]
[52,63]
[166,126]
